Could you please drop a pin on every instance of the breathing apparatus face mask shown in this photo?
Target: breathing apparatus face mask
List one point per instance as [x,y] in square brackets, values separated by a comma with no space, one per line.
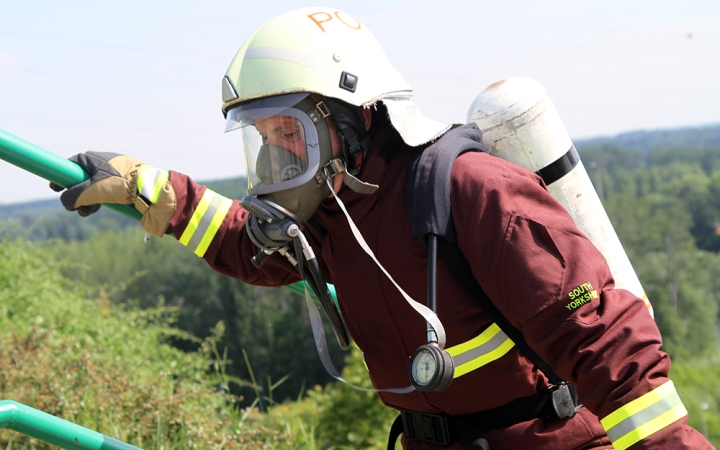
[287,143]
[282,148]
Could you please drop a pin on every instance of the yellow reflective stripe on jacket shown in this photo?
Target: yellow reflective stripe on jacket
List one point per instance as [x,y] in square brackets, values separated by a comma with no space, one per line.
[489,346]
[205,222]
[150,182]
[644,416]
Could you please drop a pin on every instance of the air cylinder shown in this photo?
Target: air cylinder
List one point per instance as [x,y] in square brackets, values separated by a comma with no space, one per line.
[520,124]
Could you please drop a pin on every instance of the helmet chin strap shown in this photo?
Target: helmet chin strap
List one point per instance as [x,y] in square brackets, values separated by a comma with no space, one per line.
[354,138]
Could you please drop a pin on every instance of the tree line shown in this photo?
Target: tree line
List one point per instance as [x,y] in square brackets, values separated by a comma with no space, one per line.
[664,203]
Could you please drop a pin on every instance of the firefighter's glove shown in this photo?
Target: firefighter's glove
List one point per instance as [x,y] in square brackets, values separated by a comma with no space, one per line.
[124,180]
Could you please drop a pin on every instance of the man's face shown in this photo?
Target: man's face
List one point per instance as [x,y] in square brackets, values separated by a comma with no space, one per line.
[286,132]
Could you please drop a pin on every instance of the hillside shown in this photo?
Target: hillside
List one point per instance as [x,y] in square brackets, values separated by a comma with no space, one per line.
[646,141]
[44,219]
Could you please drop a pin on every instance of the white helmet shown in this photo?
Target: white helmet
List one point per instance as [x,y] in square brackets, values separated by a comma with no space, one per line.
[330,53]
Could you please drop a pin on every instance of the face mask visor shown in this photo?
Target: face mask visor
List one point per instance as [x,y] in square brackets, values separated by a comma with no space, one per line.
[280,142]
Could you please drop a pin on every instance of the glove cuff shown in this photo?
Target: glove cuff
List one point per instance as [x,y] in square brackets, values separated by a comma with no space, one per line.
[156,199]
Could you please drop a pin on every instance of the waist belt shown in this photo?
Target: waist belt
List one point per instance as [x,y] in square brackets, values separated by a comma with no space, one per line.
[556,402]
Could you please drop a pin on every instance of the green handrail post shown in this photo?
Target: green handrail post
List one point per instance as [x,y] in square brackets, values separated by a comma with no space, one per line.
[59,170]
[53,430]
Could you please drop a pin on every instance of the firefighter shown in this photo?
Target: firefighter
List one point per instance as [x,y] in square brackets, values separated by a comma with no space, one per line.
[329,126]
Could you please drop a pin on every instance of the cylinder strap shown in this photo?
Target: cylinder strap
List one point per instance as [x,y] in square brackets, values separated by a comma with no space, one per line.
[560,167]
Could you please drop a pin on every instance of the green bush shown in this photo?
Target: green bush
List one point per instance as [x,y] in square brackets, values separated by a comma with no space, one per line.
[109,368]
[338,416]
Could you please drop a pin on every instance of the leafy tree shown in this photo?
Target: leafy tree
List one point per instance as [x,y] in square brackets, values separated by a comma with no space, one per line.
[685,304]
[698,383]
[663,215]
[610,158]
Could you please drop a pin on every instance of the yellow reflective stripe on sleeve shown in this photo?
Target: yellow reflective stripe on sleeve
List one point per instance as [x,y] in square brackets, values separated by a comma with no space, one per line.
[490,345]
[200,210]
[205,222]
[644,416]
[214,226]
[150,182]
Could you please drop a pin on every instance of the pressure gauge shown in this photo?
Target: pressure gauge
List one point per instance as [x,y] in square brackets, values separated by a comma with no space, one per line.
[431,368]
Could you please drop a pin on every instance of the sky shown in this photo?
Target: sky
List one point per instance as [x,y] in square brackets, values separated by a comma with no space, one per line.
[142,77]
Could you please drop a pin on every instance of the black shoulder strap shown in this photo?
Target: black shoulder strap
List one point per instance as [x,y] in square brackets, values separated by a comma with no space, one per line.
[428,188]
[428,192]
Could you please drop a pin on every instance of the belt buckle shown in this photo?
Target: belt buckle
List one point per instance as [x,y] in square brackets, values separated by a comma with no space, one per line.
[432,428]
[562,401]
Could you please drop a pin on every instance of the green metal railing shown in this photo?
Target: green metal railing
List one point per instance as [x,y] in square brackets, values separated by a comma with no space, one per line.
[48,428]
[50,166]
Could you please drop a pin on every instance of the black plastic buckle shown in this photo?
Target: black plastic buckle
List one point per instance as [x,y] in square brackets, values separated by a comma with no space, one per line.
[425,427]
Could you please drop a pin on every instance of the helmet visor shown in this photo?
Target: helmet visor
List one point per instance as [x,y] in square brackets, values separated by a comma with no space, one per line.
[280,143]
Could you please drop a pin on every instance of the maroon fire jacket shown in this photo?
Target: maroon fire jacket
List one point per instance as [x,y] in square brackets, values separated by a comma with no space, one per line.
[532,262]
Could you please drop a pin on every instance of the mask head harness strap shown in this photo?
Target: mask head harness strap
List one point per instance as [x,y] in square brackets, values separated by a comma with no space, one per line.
[354,138]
